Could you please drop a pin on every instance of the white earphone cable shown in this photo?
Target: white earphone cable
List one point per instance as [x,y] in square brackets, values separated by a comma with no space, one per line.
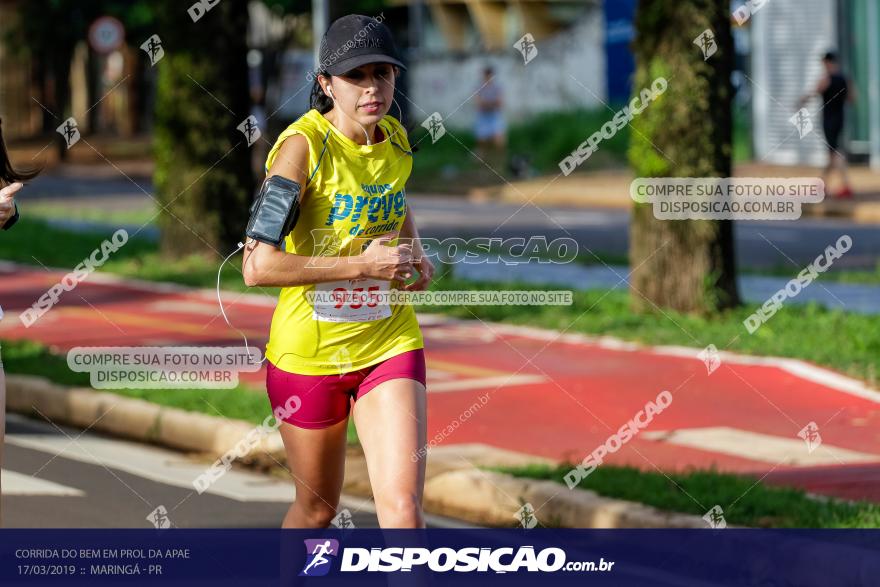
[220,301]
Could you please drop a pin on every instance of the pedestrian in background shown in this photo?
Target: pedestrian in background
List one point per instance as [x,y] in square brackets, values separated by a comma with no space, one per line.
[835,90]
[489,126]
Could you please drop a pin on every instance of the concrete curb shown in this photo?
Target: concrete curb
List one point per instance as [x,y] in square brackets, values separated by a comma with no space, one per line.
[132,418]
[854,210]
[494,499]
[454,486]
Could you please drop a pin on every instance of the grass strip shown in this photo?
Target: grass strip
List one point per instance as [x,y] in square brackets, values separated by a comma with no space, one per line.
[744,500]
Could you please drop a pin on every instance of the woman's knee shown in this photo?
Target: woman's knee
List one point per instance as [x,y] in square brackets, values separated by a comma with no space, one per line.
[318,513]
[404,509]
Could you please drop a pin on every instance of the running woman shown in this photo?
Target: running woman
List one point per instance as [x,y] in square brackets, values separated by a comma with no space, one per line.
[352,160]
[10,183]
[835,91]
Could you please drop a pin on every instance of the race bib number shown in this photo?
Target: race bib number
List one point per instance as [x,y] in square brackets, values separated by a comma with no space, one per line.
[351,300]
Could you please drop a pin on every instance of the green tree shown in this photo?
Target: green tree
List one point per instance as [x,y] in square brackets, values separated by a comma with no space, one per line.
[51,47]
[685,265]
[203,175]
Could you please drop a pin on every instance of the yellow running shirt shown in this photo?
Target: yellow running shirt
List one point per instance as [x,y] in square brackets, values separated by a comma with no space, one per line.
[354,193]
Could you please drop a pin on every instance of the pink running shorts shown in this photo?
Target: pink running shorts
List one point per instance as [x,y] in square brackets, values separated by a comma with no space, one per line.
[326,399]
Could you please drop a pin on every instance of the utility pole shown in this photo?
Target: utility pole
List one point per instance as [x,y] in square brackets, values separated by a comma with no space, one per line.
[320,22]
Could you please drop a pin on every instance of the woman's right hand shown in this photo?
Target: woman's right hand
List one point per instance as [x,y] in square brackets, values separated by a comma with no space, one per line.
[381,261]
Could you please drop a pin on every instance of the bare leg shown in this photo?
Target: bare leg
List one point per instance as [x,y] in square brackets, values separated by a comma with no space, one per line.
[500,143]
[392,426]
[826,172]
[317,464]
[843,168]
[481,148]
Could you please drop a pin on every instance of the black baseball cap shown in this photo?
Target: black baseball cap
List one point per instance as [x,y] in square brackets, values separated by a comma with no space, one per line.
[355,40]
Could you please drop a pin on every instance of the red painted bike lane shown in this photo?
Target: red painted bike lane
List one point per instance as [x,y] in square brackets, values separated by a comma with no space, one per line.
[533,391]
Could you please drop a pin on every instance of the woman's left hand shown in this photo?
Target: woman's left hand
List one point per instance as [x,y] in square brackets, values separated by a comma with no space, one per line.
[7,202]
[426,272]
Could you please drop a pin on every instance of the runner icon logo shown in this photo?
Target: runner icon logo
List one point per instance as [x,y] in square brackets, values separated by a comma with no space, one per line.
[343,520]
[69,129]
[526,46]
[715,518]
[159,518]
[802,121]
[526,516]
[706,42]
[811,436]
[710,358]
[319,558]
[154,50]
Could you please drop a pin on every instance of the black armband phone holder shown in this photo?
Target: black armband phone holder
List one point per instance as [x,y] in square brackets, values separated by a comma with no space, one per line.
[275,211]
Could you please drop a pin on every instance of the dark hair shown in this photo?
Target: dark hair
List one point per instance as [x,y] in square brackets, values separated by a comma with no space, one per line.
[323,104]
[8,173]
[831,57]
[319,100]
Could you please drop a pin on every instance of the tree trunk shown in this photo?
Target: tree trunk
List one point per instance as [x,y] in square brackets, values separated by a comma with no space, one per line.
[203,174]
[61,93]
[684,265]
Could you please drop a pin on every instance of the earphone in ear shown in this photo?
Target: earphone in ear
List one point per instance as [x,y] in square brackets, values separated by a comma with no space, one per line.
[330,92]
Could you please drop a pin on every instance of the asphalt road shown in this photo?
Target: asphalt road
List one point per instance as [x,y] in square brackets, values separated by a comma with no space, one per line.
[58,477]
[764,244]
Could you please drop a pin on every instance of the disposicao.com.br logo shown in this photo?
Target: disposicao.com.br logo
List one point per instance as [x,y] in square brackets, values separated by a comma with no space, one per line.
[321,553]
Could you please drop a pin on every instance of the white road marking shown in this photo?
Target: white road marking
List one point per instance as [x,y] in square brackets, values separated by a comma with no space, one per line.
[154,464]
[760,447]
[484,382]
[20,484]
[439,375]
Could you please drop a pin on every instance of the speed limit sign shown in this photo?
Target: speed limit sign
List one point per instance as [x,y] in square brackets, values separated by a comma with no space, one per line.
[106,34]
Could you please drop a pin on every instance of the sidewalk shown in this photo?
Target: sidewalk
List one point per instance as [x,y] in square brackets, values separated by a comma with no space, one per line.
[95,154]
[534,392]
[851,297]
[610,189]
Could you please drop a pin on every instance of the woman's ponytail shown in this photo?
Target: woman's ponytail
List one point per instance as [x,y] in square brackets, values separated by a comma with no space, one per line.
[9,174]
[319,100]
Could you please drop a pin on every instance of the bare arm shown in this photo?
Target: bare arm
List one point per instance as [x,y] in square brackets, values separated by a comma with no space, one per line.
[267,265]
[817,91]
[484,104]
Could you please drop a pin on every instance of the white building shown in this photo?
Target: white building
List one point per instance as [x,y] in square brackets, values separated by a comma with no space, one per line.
[456,39]
[788,40]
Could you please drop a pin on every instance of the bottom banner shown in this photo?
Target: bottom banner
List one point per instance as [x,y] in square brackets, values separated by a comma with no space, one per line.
[437,557]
